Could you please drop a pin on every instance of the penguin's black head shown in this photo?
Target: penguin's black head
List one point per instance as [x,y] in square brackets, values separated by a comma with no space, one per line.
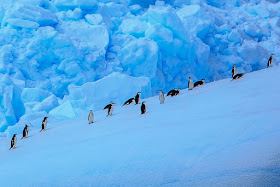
[143,102]
[190,78]
[272,54]
[203,80]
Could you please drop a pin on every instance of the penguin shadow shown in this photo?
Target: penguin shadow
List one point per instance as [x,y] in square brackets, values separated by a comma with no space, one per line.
[27,137]
[95,123]
[144,114]
[45,130]
[15,148]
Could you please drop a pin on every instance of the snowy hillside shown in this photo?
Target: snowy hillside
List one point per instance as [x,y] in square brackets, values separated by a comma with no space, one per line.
[53,50]
[221,134]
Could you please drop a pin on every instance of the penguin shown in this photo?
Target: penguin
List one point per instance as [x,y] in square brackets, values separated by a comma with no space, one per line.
[25,132]
[44,124]
[199,83]
[190,84]
[90,117]
[161,97]
[238,76]
[143,108]
[233,71]
[270,60]
[110,108]
[137,98]
[176,92]
[128,102]
[171,92]
[13,142]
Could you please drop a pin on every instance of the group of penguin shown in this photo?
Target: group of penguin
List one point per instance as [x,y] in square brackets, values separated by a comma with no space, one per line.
[25,132]
[136,99]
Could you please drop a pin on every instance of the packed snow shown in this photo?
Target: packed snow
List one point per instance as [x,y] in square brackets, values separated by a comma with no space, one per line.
[52,49]
[224,133]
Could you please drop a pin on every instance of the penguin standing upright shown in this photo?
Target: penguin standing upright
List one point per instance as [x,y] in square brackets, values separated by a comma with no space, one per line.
[199,83]
[128,102]
[161,97]
[143,107]
[14,142]
[110,108]
[90,117]
[190,83]
[233,71]
[137,98]
[270,60]
[44,124]
[25,132]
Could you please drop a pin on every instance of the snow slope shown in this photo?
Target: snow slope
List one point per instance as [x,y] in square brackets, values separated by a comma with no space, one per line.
[56,46]
[222,134]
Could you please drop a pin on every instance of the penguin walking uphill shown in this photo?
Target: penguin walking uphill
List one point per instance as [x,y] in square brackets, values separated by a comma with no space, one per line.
[173,92]
[25,132]
[270,60]
[199,83]
[137,98]
[143,108]
[44,124]
[128,102]
[190,84]
[161,97]
[90,117]
[13,142]
[236,75]
[233,71]
[110,108]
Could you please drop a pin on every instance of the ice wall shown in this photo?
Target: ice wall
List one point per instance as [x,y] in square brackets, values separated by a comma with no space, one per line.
[46,46]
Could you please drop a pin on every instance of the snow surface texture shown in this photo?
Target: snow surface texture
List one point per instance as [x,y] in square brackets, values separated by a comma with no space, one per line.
[50,48]
[221,134]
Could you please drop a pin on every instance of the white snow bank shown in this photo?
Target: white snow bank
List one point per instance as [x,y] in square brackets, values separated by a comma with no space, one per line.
[63,111]
[115,87]
[225,133]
